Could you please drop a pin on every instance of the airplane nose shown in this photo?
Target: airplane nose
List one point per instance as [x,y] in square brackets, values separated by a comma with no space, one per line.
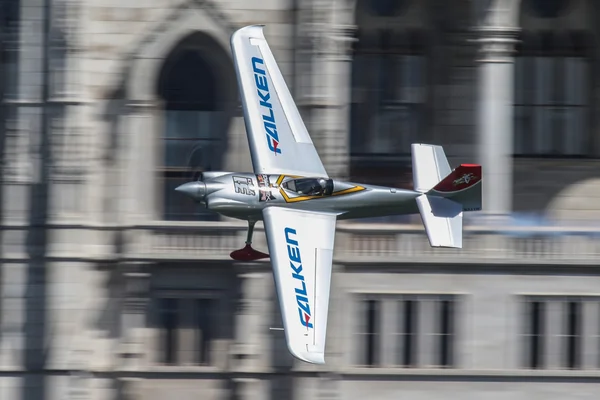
[195,190]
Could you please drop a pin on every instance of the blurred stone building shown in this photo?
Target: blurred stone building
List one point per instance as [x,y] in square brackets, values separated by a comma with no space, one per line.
[114,287]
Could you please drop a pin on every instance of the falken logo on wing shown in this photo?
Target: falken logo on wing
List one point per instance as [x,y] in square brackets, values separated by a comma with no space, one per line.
[262,88]
[296,265]
[466,178]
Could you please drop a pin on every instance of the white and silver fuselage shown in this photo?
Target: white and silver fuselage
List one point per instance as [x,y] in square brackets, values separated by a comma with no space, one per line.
[245,195]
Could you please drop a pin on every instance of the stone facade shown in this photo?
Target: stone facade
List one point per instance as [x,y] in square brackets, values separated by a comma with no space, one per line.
[105,294]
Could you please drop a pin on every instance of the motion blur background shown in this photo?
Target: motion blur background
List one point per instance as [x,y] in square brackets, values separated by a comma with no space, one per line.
[113,286]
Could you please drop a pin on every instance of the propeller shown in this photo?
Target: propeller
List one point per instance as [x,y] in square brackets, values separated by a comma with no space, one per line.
[194,163]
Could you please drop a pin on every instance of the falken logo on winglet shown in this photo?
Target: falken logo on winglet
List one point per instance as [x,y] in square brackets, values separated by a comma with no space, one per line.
[262,88]
[296,266]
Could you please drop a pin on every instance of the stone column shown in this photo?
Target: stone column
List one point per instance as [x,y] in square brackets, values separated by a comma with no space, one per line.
[337,121]
[323,76]
[139,147]
[12,317]
[554,351]
[495,116]
[252,327]
[249,388]
[134,347]
[591,321]
[389,324]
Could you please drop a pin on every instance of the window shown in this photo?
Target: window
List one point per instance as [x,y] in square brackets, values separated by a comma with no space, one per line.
[446,333]
[573,335]
[9,48]
[552,95]
[386,8]
[389,85]
[535,335]
[195,126]
[408,335]
[185,330]
[63,31]
[546,8]
[203,331]
[409,331]
[369,332]
[561,332]
[168,323]
[372,332]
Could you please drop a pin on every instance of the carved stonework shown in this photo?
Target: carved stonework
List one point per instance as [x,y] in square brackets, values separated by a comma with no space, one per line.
[137,288]
[18,168]
[496,44]
[67,149]
[343,40]
[65,17]
[79,376]
[143,107]
[332,41]
[64,36]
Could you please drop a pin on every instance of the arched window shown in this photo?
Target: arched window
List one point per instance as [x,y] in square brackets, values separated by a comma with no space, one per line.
[552,94]
[195,123]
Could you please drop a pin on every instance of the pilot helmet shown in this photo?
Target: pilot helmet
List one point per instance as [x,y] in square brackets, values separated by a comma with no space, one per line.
[322,182]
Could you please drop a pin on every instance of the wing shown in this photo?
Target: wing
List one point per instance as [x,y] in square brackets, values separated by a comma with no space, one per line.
[301,248]
[279,141]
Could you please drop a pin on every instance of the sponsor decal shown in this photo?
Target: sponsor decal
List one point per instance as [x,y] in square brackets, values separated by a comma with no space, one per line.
[296,266]
[268,116]
[264,188]
[243,185]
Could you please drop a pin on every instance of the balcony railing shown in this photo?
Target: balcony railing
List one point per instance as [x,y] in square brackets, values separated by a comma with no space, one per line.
[537,245]
[381,243]
[186,241]
[355,243]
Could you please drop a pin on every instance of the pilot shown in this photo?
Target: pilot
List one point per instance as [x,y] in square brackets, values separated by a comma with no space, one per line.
[320,190]
[323,183]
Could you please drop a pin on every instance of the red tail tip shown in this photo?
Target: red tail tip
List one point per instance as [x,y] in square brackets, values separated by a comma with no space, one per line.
[466,175]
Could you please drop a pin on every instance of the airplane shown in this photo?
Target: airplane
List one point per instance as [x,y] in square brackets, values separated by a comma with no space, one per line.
[290,191]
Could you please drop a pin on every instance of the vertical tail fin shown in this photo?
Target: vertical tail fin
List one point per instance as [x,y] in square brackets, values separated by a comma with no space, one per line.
[429,166]
[445,194]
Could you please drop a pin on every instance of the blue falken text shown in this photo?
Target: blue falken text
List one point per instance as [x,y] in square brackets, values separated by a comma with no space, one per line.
[262,88]
[296,266]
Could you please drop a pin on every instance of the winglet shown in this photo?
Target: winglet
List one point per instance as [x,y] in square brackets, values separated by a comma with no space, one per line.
[309,357]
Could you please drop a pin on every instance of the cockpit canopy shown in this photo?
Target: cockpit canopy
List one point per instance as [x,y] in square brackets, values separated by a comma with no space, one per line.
[310,186]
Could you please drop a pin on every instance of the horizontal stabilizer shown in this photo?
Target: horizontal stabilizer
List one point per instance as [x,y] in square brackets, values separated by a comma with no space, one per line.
[442,219]
[446,194]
